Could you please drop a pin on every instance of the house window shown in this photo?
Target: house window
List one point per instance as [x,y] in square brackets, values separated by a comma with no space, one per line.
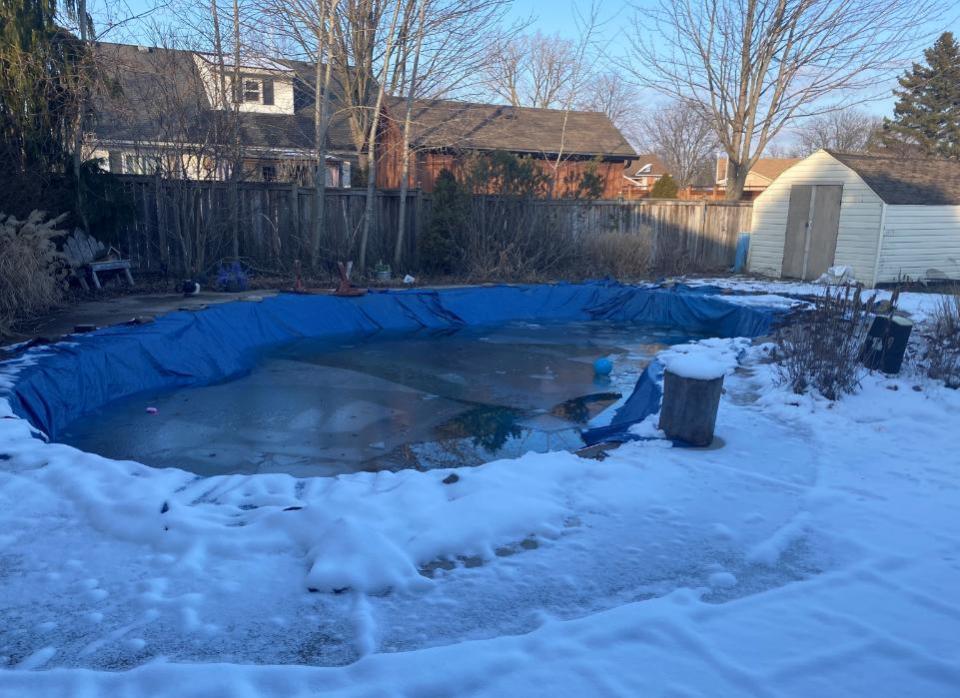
[137,163]
[268,173]
[251,90]
[646,169]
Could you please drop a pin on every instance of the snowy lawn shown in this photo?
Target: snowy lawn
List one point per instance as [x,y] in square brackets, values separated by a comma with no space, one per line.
[816,552]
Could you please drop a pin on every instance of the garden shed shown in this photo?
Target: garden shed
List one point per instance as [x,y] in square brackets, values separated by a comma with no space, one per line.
[886,218]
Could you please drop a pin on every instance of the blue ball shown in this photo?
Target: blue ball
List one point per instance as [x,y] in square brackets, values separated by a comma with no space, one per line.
[602,367]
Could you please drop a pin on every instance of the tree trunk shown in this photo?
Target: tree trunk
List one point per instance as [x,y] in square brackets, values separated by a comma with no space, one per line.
[689,410]
[237,159]
[405,168]
[372,143]
[321,104]
[81,116]
[736,180]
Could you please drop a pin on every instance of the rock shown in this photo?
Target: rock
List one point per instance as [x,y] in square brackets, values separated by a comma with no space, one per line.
[451,478]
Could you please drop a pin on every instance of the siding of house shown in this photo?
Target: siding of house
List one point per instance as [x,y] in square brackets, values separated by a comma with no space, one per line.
[426,166]
[860,214]
[920,242]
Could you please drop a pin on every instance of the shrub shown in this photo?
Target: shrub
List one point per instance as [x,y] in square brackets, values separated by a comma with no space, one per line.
[616,254]
[820,349]
[665,188]
[32,272]
[942,352]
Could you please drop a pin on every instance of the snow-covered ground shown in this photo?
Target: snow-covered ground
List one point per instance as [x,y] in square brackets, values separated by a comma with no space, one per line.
[814,552]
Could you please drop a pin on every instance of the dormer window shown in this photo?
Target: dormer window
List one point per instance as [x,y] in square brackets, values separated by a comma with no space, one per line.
[646,169]
[252,90]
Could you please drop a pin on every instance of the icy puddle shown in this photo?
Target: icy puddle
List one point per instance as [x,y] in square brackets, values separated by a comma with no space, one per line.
[424,401]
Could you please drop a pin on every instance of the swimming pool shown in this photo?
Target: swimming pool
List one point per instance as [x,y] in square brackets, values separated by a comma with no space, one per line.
[316,385]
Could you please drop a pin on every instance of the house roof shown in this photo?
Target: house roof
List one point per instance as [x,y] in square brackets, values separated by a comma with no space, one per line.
[768,168]
[161,96]
[440,123]
[771,168]
[632,167]
[905,181]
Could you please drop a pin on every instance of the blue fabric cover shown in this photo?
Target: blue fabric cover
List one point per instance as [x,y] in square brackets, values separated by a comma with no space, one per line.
[193,348]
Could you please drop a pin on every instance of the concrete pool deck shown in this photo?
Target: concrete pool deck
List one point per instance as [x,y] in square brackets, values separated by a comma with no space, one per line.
[119,310]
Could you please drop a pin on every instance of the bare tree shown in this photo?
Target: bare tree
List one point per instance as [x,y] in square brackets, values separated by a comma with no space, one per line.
[533,70]
[414,76]
[847,130]
[381,82]
[757,65]
[177,141]
[608,91]
[683,136]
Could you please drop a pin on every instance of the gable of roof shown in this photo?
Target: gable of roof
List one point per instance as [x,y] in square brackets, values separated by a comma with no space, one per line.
[443,124]
[150,80]
[768,168]
[907,181]
[644,165]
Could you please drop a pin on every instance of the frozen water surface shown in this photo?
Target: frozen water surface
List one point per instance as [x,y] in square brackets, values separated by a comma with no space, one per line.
[427,400]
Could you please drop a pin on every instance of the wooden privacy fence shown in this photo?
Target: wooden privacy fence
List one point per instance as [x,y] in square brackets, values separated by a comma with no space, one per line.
[181,226]
[696,235]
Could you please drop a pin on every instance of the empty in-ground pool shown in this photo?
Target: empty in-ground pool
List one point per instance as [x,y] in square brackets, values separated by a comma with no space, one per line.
[393,400]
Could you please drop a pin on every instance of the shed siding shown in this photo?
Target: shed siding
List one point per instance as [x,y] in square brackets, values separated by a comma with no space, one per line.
[920,242]
[860,213]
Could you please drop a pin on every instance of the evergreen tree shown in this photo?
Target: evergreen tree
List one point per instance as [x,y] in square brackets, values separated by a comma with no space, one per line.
[927,113]
[439,244]
[665,188]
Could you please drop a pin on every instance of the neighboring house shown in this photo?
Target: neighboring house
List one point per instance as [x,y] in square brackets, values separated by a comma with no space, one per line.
[641,174]
[171,110]
[761,175]
[887,218]
[565,145]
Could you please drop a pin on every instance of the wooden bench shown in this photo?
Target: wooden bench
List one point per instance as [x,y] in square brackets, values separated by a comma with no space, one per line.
[84,252]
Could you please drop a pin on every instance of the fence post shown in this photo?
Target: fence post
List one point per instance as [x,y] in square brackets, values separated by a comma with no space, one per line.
[295,205]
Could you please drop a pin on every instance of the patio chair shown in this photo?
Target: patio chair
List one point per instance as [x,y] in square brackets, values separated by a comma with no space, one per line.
[84,252]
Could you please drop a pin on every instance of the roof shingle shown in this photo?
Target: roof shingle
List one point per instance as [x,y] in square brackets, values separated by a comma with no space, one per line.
[451,124]
[906,181]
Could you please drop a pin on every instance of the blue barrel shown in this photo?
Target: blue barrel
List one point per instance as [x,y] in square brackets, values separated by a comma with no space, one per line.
[743,247]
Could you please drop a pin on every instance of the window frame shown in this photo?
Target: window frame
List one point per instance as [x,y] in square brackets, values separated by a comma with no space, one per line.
[245,91]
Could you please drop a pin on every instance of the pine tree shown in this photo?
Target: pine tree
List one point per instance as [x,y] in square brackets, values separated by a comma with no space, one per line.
[664,188]
[927,113]
[439,243]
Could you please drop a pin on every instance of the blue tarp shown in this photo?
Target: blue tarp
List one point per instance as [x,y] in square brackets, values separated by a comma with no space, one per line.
[66,380]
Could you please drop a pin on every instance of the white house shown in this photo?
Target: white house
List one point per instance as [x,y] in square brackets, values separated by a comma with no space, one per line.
[887,218]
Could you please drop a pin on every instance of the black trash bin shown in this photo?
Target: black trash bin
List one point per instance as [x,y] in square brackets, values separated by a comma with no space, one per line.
[886,344]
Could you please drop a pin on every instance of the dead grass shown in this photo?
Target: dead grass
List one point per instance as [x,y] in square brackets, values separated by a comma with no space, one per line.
[616,254]
[941,355]
[31,270]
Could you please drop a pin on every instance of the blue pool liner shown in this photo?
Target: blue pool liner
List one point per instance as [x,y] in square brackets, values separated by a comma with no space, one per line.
[62,381]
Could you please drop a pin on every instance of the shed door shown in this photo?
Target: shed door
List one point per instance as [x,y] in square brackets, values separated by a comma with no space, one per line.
[813,220]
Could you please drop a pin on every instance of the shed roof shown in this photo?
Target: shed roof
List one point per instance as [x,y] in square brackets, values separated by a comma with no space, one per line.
[439,123]
[907,181]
